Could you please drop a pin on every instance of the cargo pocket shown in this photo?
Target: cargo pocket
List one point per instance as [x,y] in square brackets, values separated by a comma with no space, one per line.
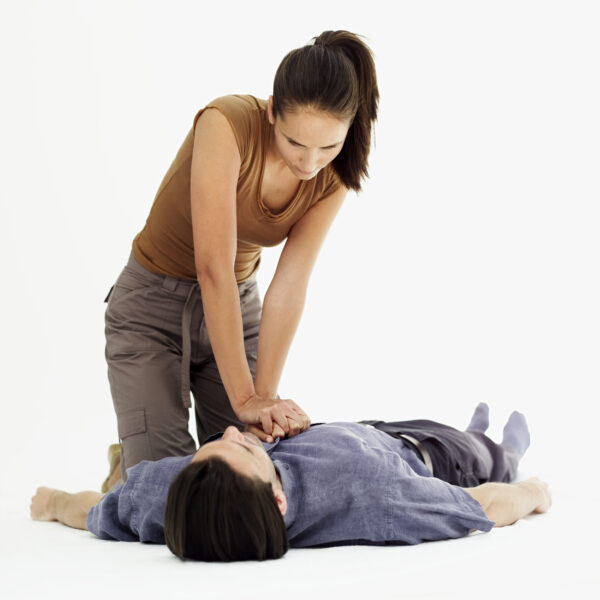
[135,440]
[132,423]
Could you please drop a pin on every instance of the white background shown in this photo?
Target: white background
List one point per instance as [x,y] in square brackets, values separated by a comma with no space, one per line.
[466,270]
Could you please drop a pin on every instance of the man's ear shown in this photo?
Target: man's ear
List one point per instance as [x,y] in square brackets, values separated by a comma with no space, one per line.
[281,500]
[270,111]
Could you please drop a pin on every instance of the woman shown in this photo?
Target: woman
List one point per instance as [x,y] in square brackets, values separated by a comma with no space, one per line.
[185,312]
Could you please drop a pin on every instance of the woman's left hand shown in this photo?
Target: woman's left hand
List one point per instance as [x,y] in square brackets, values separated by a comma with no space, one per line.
[277,431]
[262,415]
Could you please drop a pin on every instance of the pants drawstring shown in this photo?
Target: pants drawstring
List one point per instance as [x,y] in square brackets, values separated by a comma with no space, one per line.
[186,344]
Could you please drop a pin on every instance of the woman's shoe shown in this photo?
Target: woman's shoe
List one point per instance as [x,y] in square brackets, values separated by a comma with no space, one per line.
[114,473]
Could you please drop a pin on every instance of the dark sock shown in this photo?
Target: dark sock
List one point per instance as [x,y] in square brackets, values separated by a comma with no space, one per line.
[516,434]
[480,420]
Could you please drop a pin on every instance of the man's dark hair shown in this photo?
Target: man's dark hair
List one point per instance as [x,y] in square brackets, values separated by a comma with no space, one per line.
[335,74]
[214,513]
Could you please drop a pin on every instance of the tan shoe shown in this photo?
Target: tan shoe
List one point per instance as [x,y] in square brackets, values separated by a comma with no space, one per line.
[114,472]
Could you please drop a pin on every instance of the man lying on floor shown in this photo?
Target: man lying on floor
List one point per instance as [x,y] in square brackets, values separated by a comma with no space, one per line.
[338,483]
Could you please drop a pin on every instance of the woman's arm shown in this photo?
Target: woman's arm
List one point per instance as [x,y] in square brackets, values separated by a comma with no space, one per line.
[284,300]
[506,503]
[214,175]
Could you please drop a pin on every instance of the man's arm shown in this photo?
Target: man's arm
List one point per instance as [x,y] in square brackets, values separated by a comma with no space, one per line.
[506,503]
[70,509]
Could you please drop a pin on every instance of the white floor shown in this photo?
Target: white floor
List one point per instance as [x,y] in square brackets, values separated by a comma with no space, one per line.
[542,556]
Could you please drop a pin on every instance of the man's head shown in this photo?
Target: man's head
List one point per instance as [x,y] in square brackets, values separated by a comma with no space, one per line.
[227,504]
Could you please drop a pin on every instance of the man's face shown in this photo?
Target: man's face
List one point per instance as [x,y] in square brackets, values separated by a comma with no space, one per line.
[243,452]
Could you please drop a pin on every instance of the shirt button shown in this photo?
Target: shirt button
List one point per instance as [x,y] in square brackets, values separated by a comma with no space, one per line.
[287,467]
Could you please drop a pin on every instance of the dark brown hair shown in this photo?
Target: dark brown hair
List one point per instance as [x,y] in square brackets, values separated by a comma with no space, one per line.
[336,74]
[214,513]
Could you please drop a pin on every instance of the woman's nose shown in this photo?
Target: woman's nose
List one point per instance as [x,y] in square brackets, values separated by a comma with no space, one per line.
[309,161]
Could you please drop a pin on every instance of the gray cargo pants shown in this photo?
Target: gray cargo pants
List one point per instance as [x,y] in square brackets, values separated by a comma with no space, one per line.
[157,350]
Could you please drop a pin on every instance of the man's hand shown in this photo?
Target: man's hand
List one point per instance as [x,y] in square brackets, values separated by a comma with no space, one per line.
[43,504]
[506,503]
[543,493]
[49,504]
[263,415]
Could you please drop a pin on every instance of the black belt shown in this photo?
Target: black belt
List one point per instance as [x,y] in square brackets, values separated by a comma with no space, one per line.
[425,456]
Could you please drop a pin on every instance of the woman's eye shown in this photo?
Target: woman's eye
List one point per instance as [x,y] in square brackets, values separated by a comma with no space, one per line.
[327,149]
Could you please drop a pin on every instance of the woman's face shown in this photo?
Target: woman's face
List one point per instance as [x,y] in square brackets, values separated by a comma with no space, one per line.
[306,139]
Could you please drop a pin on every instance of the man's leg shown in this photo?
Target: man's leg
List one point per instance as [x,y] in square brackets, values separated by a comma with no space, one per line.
[504,458]
[467,458]
[516,434]
[69,509]
[480,421]
[505,503]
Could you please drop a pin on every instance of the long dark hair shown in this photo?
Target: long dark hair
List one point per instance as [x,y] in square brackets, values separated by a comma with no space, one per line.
[214,513]
[335,74]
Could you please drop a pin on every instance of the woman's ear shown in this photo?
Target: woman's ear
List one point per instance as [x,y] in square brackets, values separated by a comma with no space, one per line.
[270,111]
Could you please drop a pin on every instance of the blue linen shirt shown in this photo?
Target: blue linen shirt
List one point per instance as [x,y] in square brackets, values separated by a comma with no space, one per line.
[344,483]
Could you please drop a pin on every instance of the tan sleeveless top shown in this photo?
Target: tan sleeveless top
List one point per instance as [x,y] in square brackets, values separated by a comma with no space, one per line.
[165,245]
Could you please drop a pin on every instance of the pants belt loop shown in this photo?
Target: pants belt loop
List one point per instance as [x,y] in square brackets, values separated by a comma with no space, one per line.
[170,283]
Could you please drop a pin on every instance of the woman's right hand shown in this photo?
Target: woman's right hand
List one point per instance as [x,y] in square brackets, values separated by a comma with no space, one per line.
[264,414]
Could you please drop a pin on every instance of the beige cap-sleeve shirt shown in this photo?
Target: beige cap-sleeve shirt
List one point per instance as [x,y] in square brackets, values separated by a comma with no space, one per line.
[165,245]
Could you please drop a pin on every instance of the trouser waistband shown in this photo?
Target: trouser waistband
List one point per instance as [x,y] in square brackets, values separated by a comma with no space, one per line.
[413,443]
[190,292]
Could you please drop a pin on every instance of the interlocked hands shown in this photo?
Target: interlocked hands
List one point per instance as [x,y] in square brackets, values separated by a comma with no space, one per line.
[271,418]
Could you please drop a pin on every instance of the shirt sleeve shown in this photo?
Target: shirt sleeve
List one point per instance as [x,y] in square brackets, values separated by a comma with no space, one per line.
[332,183]
[426,508]
[243,116]
[110,519]
[135,510]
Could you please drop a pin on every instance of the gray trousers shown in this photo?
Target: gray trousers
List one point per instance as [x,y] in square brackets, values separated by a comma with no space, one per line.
[158,350]
[464,458]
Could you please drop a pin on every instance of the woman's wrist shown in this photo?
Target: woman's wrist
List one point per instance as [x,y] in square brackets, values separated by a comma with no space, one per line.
[266,392]
[265,387]
[239,401]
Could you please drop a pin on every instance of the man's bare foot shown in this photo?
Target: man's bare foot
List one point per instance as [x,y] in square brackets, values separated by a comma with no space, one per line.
[43,504]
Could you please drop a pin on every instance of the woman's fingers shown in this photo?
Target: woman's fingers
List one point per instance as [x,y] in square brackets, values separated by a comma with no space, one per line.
[289,418]
[295,427]
[284,423]
[277,431]
[259,433]
[304,418]
[265,421]
[280,419]
[300,419]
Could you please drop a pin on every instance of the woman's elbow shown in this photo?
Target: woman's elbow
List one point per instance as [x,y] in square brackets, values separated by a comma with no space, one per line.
[214,272]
